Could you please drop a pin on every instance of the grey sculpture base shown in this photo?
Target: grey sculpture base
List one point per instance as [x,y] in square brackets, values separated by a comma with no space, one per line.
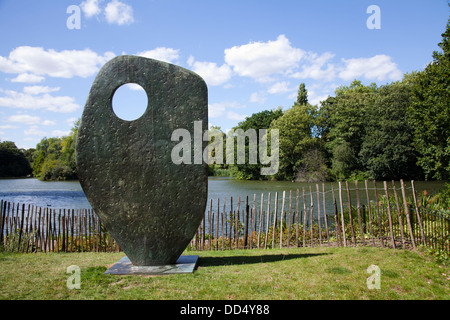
[184,264]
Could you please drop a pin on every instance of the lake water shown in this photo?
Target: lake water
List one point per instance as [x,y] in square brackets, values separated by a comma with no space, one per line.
[69,194]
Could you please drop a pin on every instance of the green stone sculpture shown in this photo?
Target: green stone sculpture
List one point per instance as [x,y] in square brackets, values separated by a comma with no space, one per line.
[151,206]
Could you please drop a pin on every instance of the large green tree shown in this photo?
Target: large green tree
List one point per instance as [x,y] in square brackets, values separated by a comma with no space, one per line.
[257,121]
[429,113]
[54,158]
[295,138]
[13,162]
[344,124]
[387,151]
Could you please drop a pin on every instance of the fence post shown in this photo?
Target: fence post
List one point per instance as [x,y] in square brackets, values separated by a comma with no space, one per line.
[389,213]
[336,218]
[369,210]
[298,218]
[378,213]
[419,219]
[267,222]
[21,225]
[253,220]
[260,219]
[236,224]
[405,204]
[350,213]
[224,213]
[246,223]
[217,224]
[318,214]
[281,220]
[275,220]
[304,218]
[290,220]
[325,212]
[311,217]
[399,214]
[358,209]
[342,214]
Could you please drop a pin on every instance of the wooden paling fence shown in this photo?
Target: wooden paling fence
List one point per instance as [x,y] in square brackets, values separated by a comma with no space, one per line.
[343,216]
[32,229]
[348,214]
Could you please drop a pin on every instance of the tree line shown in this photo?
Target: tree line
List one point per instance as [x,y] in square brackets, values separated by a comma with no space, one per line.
[52,159]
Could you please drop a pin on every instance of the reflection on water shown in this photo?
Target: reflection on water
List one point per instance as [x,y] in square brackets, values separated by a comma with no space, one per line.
[68,194]
[55,194]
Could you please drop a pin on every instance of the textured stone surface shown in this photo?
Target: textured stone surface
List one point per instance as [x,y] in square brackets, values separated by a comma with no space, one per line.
[151,206]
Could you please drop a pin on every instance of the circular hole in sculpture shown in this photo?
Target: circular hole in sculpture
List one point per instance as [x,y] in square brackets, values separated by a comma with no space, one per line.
[129,101]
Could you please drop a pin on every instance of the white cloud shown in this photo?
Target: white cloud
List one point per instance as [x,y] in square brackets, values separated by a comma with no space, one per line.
[34,90]
[314,69]
[258,97]
[60,133]
[28,78]
[71,121]
[8,126]
[379,67]
[119,13]
[315,99]
[235,116]
[90,8]
[280,87]
[261,60]
[24,118]
[220,109]
[210,72]
[190,60]
[161,53]
[133,86]
[216,110]
[20,100]
[62,64]
[34,131]
[48,123]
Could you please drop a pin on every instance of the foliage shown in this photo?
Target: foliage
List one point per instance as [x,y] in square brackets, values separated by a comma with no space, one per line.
[437,202]
[302,95]
[13,161]
[295,129]
[313,168]
[430,113]
[387,150]
[54,158]
[345,129]
[260,120]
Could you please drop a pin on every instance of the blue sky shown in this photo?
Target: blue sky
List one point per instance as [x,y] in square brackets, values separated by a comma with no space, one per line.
[252,54]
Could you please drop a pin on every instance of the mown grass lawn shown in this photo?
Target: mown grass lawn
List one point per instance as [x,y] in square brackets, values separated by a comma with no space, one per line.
[287,274]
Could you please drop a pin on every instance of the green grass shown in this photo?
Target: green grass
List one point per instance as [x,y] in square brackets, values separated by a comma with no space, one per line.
[288,274]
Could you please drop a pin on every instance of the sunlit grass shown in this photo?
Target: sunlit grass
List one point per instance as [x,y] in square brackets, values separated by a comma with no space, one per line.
[288,274]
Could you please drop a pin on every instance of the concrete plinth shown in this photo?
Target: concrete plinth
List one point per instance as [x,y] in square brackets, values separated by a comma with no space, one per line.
[184,264]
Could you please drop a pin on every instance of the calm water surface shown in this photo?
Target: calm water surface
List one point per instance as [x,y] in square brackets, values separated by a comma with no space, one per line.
[68,194]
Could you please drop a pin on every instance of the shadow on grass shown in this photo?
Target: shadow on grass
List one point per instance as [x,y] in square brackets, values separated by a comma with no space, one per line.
[236,260]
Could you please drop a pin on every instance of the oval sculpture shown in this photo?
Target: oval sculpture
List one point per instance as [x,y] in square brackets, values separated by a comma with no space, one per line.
[151,206]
